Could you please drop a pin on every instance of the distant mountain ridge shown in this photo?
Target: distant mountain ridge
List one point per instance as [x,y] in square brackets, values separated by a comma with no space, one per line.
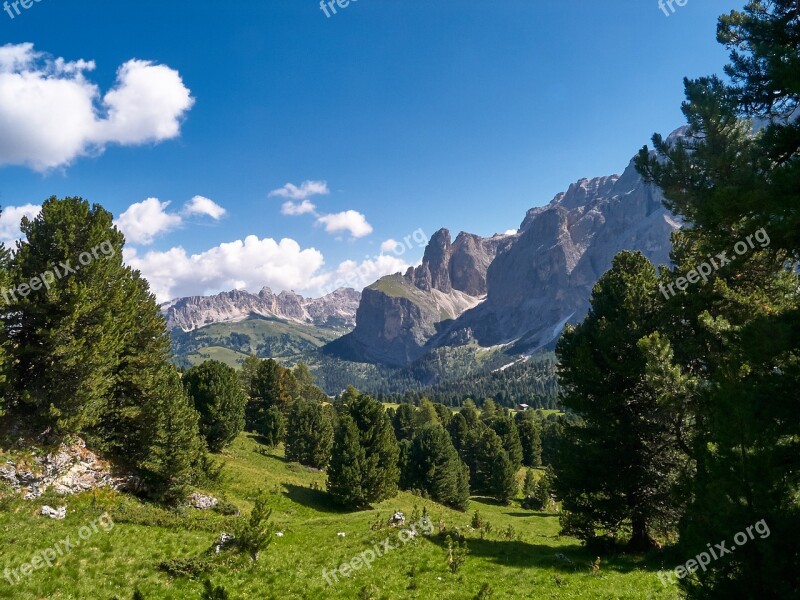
[336,310]
[516,291]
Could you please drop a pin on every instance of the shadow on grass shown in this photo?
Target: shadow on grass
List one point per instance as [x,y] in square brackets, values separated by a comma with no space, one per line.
[530,513]
[317,499]
[571,558]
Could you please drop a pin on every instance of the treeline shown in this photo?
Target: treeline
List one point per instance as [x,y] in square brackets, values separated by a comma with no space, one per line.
[370,452]
[532,381]
[686,381]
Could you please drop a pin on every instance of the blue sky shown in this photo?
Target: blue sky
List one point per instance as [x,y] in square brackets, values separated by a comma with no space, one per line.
[417,115]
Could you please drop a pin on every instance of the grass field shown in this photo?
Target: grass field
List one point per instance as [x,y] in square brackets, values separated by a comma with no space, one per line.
[533,561]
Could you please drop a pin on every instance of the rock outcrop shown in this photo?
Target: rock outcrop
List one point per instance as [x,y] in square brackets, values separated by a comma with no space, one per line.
[70,469]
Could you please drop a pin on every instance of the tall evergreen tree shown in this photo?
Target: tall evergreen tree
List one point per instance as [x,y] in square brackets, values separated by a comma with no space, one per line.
[435,467]
[216,392]
[530,437]
[309,434]
[345,481]
[492,472]
[620,466]
[735,176]
[506,428]
[378,454]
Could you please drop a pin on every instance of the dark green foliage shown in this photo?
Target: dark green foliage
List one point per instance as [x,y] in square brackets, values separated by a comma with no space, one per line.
[187,567]
[175,447]
[739,335]
[364,464]
[403,422]
[529,426]
[622,464]
[254,534]
[530,482]
[491,471]
[217,395]
[506,428]
[309,433]
[344,471]
[211,592]
[271,426]
[458,431]
[435,467]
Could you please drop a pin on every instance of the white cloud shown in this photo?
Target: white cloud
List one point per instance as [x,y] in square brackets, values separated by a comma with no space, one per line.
[249,264]
[351,221]
[144,221]
[50,114]
[510,232]
[359,275]
[200,205]
[390,245]
[12,216]
[307,189]
[294,209]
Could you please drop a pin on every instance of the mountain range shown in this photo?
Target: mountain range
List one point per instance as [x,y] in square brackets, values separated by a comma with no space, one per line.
[511,293]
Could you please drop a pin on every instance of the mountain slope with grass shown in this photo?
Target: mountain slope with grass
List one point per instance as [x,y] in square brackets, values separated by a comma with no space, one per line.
[522,557]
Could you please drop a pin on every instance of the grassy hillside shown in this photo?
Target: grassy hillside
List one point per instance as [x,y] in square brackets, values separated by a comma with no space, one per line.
[532,562]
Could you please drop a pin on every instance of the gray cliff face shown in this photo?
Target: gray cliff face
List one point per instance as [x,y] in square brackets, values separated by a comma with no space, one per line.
[337,309]
[518,290]
[544,279]
[399,313]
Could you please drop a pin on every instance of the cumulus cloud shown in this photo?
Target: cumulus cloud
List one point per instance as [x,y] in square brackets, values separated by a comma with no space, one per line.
[252,264]
[307,189]
[510,232]
[248,264]
[359,275]
[390,245]
[144,221]
[200,205]
[294,209]
[350,221]
[11,218]
[51,114]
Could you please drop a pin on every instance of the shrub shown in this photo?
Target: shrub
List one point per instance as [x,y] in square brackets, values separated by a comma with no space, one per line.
[255,534]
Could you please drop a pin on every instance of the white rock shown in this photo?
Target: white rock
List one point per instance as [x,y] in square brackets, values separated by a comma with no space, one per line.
[54,513]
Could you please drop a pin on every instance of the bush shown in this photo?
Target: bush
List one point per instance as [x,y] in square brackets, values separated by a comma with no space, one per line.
[255,534]
[186,567]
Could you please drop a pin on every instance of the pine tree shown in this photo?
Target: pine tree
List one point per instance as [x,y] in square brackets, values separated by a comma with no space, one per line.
[506,428]
[216,392]
[492,472]
[373,474]
[309,434]
[403,422]
[435,467]
[175,449]
[62,317]
[458,433]
[344,471]
[735,176]
[530,430]
[620,464]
